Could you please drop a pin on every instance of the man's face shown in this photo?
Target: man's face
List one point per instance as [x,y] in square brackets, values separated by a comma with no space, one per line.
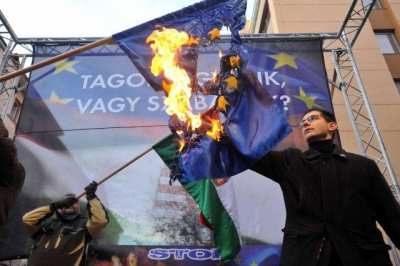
[75,208]
[315,127]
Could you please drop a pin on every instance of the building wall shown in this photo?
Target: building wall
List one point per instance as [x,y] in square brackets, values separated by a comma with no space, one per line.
[11,94]
[294,16]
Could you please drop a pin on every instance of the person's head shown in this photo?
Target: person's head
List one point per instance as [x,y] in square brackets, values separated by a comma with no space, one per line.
[73,209]
[318,124]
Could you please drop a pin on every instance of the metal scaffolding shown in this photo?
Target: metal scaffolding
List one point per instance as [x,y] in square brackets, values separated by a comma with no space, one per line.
[346,76]
[349,82]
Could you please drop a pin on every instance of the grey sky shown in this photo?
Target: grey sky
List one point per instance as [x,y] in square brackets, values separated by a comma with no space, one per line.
[86,18]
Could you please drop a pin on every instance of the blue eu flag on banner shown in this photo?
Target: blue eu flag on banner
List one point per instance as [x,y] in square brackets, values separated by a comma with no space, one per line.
[254,124]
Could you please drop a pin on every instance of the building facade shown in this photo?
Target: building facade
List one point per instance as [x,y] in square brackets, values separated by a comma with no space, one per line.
[11,91]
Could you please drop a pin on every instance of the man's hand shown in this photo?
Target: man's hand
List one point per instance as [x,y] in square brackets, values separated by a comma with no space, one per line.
[91,190]
[63,203]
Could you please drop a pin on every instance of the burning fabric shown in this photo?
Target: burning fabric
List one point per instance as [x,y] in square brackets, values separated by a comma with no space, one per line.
[243,124]
[241,127]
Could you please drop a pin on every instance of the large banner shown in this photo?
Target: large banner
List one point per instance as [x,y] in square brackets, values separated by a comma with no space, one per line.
[86,116]
[260,255]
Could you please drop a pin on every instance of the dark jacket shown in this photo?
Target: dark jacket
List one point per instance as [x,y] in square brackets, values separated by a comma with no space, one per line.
[60,241]
[12,177]
[333,201]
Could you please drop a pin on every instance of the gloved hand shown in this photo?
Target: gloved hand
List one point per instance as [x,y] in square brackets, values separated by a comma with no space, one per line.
[66,202]
[91,190]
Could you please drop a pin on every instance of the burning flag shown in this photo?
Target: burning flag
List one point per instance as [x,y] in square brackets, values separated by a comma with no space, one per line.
[203,20]
[242,126]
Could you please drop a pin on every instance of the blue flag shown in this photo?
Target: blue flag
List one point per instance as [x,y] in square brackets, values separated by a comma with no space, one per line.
[197,20]
[253,123]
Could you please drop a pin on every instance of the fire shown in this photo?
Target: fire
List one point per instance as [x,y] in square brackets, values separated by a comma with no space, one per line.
[216,130]
[165,44]
[214,76]
[181,143]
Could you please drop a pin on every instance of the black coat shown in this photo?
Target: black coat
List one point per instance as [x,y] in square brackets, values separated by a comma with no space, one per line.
[333,200]
[12,177]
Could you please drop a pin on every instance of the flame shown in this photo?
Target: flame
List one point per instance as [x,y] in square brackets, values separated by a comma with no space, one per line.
[165,44]
[214,76]
[216,130]
[234,61]
[181,143]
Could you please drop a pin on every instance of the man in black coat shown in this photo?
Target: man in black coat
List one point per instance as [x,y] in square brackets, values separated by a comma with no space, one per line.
[333,200]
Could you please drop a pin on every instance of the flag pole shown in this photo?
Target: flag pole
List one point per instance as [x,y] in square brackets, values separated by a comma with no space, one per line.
[57,58]
[104,179]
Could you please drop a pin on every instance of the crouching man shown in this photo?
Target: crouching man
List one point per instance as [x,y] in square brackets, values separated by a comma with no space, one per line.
[60,233]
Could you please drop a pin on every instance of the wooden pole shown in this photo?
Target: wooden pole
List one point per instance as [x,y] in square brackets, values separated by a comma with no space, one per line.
[104,179]
[57,58]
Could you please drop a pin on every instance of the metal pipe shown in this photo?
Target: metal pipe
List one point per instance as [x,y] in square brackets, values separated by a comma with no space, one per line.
[56,58]
[8,27]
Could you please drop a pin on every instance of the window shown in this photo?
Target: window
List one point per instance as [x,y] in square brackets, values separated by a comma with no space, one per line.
[387,42]
[397,82]
[266,20]
[377,5]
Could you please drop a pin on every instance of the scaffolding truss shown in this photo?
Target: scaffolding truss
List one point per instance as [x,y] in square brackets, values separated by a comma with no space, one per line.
[346,76]
[349,82]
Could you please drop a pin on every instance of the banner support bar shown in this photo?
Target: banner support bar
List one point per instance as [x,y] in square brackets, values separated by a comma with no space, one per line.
[57,58]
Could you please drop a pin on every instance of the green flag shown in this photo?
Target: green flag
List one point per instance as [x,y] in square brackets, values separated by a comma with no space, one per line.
[209,201]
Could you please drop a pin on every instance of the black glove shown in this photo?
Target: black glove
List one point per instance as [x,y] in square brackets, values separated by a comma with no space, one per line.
[66,202]
[91,190]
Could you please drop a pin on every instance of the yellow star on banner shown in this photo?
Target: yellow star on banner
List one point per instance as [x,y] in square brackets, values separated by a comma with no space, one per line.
[232,82]
[254,263]
[55,99]
[65,65]
[308,100]
[222,103]
[284,59]
[214,34]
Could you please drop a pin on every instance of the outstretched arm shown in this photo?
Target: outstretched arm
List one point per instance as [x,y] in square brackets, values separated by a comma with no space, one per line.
[32,220]
[273,165]
[98,218]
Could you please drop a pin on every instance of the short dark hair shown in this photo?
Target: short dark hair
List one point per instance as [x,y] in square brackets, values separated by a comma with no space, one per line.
[328,116]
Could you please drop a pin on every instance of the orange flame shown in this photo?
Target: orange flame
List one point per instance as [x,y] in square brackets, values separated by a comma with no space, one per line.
[181,143]
[165,44]
[216,130]
[214,76]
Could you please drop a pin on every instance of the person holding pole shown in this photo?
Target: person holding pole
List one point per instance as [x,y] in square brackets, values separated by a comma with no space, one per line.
[60,233]
[333,200]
